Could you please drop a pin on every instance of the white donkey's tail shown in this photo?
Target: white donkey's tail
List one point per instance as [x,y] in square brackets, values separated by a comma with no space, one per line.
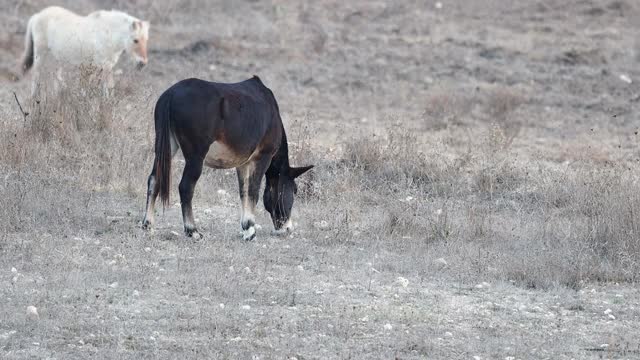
[27,57]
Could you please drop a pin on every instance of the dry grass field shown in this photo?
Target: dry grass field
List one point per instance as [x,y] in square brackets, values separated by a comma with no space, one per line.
[475,194]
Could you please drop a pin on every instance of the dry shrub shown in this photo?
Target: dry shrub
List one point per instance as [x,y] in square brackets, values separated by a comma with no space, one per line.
[79,103]
[497,171]
[591,235]
[74,142]
[501,105]
[445,108]
[539,228]
[398,165]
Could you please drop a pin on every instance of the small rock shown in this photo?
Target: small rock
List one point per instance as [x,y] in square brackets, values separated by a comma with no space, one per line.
[114,285]
[388,327]
[322,225]
[136,293]
[611,317]
[247,270]
[221,306]
[14,270]
[625,78]
[222,192]
[364,319]
[607,312]
[448,334]
[438,5]
[246,307]
[212,67]
[402,281]
[300,267]
[147,249]
[32,312]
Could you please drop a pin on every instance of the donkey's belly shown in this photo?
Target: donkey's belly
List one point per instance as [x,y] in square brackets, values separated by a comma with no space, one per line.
[220,156]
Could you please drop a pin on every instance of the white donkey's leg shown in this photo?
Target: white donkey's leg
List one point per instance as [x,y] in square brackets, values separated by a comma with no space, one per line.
[108,83]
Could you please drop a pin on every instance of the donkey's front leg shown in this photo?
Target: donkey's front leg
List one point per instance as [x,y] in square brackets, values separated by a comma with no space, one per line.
[191,174]
[249,177]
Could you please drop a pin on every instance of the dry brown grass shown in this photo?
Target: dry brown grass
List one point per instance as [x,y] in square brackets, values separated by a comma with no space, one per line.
[536,226]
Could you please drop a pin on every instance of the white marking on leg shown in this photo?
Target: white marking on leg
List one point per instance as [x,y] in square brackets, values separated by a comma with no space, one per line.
[249,233]
[285,229]
[248,216]
[174,144]
[149,216]
[288,226]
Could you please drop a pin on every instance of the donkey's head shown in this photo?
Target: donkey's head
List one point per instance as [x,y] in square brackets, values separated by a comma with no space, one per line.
[278,196]
[136,42]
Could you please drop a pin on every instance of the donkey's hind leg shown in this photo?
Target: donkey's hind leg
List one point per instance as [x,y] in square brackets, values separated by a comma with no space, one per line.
[153,189]
[152,193]
[249,177]
[190,176]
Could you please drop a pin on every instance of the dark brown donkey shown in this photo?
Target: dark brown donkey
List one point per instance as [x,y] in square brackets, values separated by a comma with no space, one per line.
[224,126]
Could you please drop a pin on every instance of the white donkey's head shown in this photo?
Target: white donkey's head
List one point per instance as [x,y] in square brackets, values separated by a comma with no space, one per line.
[130,33]
[136,42]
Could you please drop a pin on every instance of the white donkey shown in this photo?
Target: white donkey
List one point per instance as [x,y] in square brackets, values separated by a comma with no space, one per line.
[97,39]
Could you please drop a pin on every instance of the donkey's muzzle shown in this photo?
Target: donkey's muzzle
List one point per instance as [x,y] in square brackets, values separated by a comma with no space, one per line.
[140,64]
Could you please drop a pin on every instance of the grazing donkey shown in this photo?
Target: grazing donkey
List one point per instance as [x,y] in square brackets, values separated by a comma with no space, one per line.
[224,126]
[97,39]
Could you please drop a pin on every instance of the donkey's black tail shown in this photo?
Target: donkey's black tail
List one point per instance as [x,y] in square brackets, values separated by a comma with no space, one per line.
[162,116]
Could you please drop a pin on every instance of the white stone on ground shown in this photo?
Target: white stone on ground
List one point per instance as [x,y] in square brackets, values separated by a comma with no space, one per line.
[402,281]
[32,312]
[625,78]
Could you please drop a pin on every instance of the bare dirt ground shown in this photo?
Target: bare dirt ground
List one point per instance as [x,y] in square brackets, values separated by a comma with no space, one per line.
[474,195]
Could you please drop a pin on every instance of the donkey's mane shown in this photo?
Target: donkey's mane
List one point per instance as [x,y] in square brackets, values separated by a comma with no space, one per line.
[99,13]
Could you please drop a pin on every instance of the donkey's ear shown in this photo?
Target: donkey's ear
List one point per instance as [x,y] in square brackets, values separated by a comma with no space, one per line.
[294,172]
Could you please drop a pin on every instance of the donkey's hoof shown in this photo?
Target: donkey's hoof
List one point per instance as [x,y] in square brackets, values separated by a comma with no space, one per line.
[281,232]
[194,234]
[249,234]
[146,225]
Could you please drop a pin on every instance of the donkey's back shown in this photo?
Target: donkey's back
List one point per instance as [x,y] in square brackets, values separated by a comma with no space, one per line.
[230,119]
